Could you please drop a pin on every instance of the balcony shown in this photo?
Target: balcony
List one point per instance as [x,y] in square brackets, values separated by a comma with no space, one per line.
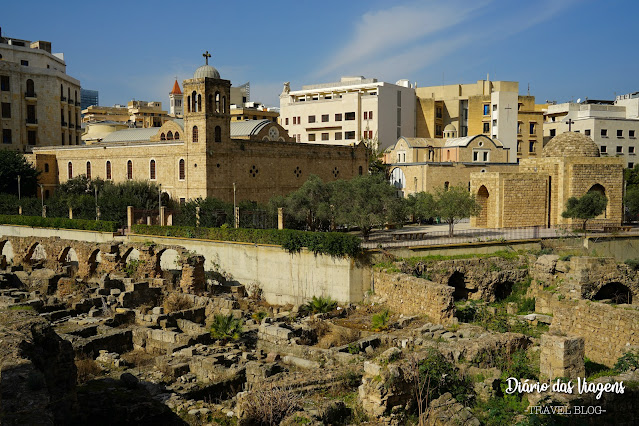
[78,127]
[77,103]
[32,121]
[30,96]
[71,101]
[63,99]
[63,123]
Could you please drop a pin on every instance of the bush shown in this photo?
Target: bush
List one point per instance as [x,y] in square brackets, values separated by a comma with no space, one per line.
[442,376]
[330,243]
[380,320]
[633,264]
[628,361]
[176,302]
[226,327]
[526,305]
[87,369]
[268,405]
[320,305]
[59,223]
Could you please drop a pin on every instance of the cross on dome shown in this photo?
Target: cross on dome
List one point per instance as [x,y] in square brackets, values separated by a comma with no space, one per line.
[206,55]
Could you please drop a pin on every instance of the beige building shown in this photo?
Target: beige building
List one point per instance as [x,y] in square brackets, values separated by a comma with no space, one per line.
[253,111]
[536,194]
[425,164]
[351,110]
[40,103]
[204,154]
[136,114]
[613,126]
[491,108]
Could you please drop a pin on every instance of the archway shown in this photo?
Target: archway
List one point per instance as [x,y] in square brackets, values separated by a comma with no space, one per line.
[482,200]
[7,251]
[168,265]
[600,190]
[132,254]
[68,257]
[94,261]
[398,179]
[36,253]
[458,281]
[503,290]
[615,292]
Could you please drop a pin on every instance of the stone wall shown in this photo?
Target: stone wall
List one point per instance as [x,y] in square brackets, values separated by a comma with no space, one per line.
[410,295]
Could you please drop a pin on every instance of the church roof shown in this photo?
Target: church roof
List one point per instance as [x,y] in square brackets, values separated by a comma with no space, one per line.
[206,71]
[464,141]
[247,127]
[176,89]
[131,135]
[571,144]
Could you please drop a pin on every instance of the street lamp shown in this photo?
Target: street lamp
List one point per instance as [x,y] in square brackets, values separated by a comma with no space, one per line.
[97,208]
[19,188]
[42,198]
[160,204]
[234,208]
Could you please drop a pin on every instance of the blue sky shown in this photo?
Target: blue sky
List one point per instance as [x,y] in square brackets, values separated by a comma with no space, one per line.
[565,49]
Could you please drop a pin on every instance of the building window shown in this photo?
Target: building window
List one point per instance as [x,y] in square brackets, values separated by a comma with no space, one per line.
[587,132]
[324,118]
[176,136]
[338,117]
[6,110]
[486,128]
[631,150]
[25,63]
[169,136]
[324,136]
[631,134]
[108,170]
[194,136]
[631,165]
[286,121]
[485,156]
[475,153]
[603,149]
[494,107]
[438,112]
[218,134]
[604,133]
[129,170]
[532,128]
[620,133]
[365,115]
[338,136]
[370,115]
[349,135]
[620,150]
[4,83]
[31,137]
[88,170]
[349,116]
[46,167]
[30,89]
[311,119]
[152,169]
[486,109]
[294,120]
[311,137]
[399,98]
[182,169]
[531,146]
[518,147]
[70,170]
[553,132]
[162,136]
[494,123]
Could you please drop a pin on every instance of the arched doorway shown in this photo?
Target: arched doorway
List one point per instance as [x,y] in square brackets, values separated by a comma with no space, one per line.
[482,200]
[169,265]
[94,261]
[600,190]
[7,251]
[398,179]
[615,292]
[36,254]
[68,256]
[458,281]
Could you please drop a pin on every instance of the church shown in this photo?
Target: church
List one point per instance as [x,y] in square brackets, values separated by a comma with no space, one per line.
[203,154]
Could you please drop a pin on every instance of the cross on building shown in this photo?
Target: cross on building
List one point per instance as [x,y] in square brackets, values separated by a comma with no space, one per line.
[508,108]
[570,123]
[206,55]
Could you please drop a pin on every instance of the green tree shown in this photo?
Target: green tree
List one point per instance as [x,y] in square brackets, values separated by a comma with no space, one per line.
[421,206]
[590,205]
[367,201]
[631,176]
[631,200]
[12,165]
[375,164]
[454,204]
[311,203]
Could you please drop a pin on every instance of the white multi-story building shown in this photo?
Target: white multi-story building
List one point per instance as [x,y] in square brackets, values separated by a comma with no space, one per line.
[613,125]
[354,109]
[40,103]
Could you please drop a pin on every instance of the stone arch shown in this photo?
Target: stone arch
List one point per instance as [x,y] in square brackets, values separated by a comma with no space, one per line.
[130,255]
[457,280]
[616,292]
[397,178]
[6,250]
[36,253]
[169,136]
[95,258]
[482,200]
[598,188]
[168,259]
[502,290]
[68,256]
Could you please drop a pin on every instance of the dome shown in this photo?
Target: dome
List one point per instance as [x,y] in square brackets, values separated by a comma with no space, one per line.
[571,144]
[206,71]
[450,128]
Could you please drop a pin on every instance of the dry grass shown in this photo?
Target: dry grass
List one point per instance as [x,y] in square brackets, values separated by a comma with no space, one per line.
[269,405]
[338,336]
[176,302]
[87,369]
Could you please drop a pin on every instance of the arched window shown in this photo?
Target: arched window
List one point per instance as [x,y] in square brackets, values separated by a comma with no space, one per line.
[46,167]
[182,171]
[360,170]
[217,101]
[129,170]
[76,96]
[30,88]
[108,170]
[169,136]
[199,103]
[70,170]
[162,136]
[194,102]
[188,104]
[223,104]
[88,170]
[218,134]
[194,134]
[152,170]
[61,91]
[176,136]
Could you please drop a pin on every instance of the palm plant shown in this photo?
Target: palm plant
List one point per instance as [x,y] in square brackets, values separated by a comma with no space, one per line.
[226,327]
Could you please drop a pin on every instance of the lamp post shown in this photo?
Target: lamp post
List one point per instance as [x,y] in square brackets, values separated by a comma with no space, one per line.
[19,191]
[97,208]
[42,199]
[234,208]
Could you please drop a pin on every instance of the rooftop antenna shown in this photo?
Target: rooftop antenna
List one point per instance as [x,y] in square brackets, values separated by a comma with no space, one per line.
[528,89]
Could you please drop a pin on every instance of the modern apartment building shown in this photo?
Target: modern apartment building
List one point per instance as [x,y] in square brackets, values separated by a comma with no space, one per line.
[40,103]
[612,125]
[136,114]
[88,98]
[491,108]
[351,110]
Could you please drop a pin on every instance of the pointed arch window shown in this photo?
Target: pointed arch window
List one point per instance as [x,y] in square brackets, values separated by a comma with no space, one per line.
[218,134]
[152,170]
[129,170]
[223,104]
[194,138]
[88,170]
[169,136]
[176,136]
[70,170]
[182,169]
[108,170]
[217,102]
[162,136]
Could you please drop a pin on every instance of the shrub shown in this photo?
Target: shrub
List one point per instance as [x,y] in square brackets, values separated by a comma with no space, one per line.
[87,369]
[628,361]
[268,405]
[226,327]
[59,223]
[176,302]
[633,264]
[442,376]
[527,305]
[259,316]
[320,305]
[330,243]
[380,320]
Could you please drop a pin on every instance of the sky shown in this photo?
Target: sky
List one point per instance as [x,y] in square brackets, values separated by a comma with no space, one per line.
[562,49]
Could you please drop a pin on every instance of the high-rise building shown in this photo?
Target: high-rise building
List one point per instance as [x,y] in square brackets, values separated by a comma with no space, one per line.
[89,98]
[351,110]
[40,103]
[491,108]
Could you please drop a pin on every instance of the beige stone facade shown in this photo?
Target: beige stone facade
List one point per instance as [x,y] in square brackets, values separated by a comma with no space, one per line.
[137,114]
[40,103]
[536,194]
[200,158]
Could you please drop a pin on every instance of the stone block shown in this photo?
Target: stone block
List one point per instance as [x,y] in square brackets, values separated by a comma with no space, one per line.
[562,356]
